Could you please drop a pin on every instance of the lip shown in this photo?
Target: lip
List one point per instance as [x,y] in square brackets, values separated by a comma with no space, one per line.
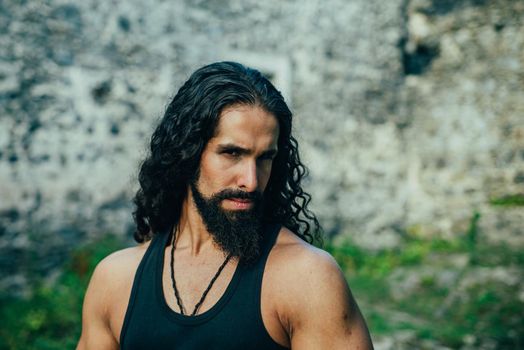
[241,203]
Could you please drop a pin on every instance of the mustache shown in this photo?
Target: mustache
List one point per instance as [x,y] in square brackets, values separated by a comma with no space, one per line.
[231,193]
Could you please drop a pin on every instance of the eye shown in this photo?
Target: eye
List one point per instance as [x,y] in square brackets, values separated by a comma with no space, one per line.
[266,158]
[231,153]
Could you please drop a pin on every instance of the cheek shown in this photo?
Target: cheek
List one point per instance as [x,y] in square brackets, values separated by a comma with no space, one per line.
[215,174]
[264,175]
[210,165]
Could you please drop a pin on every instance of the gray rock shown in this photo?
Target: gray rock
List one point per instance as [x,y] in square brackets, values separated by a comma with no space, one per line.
[408,113]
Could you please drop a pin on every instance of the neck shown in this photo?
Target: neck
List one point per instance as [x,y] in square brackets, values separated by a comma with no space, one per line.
[192,235]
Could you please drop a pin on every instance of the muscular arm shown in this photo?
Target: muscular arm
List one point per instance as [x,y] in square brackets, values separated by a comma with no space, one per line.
[322,314]
[96,331]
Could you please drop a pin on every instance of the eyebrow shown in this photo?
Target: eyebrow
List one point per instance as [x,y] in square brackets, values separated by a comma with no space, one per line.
[241,150]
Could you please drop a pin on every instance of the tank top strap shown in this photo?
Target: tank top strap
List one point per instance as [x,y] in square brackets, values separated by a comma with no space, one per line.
[144,280]
[234,322]
[269,238]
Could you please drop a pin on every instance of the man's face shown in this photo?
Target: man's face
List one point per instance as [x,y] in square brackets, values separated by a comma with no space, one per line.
[234,171]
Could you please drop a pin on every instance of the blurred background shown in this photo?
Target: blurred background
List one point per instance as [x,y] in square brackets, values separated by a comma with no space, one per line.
[409,115]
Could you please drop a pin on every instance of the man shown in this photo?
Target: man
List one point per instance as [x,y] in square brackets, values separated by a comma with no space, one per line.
[225,260]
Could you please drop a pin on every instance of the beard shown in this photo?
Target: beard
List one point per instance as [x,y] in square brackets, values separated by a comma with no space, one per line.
[236,232]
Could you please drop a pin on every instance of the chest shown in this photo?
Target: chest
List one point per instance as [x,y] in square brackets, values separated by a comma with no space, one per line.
[236,312]
[198,283]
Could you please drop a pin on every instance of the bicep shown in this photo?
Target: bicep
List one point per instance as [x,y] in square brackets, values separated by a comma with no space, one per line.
[327,315]
[96,333]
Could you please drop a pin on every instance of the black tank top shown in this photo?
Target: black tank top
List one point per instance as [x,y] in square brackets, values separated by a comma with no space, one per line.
[234,322]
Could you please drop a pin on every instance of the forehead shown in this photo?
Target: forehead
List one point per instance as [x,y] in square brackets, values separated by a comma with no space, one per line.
[245,124]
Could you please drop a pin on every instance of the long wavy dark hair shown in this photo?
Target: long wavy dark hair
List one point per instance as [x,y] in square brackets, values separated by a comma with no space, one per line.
[189,123]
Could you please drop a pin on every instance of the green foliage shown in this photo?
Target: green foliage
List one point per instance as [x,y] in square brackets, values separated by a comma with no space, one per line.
[511,200]
[51,317]
[472,237]
[378,264]
[399,289]
[403,289]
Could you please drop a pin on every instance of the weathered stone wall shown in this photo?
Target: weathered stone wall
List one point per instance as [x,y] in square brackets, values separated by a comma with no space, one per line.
[409,113]
[466,139]
[451,142]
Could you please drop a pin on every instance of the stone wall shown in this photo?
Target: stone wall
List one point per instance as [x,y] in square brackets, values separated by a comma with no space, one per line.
[409,113]
[452,142]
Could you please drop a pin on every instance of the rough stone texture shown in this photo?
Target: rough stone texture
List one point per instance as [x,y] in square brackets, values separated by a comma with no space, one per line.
[408,113]
[467,124]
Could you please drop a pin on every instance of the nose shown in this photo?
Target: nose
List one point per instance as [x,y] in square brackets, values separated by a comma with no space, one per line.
[248,179]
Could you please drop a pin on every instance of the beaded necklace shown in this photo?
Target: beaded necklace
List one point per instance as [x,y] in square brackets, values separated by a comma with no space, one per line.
[206,291]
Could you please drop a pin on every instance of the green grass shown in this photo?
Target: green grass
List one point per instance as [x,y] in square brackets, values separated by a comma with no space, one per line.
[51,317]
[511,200]
[488,311]
[398,289]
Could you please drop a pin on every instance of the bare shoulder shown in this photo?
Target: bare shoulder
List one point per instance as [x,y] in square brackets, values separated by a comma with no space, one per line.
[121,262]
[114,273]
[303,273]
[312,298]
[292,259]
[107,296]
